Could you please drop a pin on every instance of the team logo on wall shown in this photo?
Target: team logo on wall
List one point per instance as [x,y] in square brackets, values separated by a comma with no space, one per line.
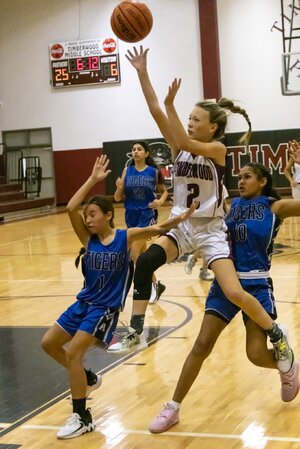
[161,153]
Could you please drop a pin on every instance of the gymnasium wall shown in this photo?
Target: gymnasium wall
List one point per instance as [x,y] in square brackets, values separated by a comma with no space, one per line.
[250,56]
[85,117]
[82,118]
[72,168]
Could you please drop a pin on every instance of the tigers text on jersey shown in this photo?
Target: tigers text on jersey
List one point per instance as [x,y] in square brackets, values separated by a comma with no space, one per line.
[197,178]
[108,272]
[139,187]
[252,227]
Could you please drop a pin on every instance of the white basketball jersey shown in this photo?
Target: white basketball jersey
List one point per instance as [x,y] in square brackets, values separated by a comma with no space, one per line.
[197,178]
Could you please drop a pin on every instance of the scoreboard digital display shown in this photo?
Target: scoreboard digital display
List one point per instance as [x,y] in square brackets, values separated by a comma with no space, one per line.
[78,63]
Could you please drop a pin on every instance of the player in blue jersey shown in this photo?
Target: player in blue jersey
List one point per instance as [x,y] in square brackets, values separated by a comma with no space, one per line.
[199,167]
[137,187]
[253,223]
[107,269]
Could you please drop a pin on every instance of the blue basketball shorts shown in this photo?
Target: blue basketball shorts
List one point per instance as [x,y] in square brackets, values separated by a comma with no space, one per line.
[217,304]
[94,320]
[140,218]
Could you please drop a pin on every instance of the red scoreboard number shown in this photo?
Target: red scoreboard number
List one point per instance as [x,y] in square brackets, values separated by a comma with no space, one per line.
[90,70]
[76,71]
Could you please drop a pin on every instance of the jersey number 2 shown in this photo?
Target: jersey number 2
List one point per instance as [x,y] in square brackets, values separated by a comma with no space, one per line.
[194,190]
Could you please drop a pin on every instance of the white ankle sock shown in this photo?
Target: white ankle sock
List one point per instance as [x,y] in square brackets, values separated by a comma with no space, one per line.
[174,405]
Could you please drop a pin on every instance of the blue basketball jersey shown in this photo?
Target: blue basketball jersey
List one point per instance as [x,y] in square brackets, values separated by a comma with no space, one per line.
[139,187]
[252,228]
[108,272]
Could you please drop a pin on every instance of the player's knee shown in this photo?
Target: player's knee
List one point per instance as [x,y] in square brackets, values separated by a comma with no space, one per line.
[202,347]
[146,264]
[47,344]
[72,355]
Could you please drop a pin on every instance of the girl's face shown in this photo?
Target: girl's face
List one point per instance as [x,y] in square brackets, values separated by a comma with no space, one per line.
[96,220]
[249,184]
[139,153]
[199,126]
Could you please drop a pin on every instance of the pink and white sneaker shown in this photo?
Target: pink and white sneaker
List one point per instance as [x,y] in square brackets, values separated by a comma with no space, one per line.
[290,383]
[167,418]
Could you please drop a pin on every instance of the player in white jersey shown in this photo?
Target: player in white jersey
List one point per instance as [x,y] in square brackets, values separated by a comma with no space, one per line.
[292,171]
[205,274]
[199,166]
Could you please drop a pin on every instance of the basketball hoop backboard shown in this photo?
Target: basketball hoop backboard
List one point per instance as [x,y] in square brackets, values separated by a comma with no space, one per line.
[290,80]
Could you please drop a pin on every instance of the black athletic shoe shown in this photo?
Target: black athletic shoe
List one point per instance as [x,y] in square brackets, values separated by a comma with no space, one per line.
[160,288]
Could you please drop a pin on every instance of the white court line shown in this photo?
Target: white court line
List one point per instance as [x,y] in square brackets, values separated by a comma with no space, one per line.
[34,237]
[5,425]
[177,434]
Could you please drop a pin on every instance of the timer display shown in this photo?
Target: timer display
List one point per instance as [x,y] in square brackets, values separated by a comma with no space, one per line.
[77,63]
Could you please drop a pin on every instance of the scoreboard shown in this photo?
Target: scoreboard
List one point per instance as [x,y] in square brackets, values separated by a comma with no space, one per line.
[78,63]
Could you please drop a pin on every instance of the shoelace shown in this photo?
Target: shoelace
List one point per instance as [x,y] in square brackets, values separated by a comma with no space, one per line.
[74,418]
[128,337]
[121,334]
[164,410]
[281,350]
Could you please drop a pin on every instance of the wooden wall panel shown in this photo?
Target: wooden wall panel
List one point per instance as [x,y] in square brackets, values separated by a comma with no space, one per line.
[72,168]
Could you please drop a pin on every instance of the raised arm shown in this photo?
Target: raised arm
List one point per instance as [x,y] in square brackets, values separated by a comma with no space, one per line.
[119,193]
[288,172]
[99,173]
[138,60]
[214,150]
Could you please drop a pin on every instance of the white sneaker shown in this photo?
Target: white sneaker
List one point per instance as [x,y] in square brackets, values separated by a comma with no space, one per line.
[96,385]
[76,426]
[206,275]
[190,263]
[159,288]
[132,341]
[153,294]
[91,388]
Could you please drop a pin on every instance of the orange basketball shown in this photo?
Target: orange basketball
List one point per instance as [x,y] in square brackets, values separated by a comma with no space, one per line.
[131,21]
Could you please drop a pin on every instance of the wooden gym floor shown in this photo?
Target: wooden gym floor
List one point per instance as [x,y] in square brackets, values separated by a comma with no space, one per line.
[233,404]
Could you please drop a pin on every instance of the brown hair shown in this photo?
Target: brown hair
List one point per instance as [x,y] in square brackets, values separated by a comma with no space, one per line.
[217,114]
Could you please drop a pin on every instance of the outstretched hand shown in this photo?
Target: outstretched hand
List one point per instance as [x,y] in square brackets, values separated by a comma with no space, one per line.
[119,183]
[186,215]
[294,150]
[100,171]
[172,92]
[138,58]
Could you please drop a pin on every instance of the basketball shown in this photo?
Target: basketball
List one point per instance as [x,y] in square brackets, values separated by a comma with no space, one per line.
[131,21]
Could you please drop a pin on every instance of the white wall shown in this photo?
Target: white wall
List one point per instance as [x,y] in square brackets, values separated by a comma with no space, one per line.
[85,117]
[251,63]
